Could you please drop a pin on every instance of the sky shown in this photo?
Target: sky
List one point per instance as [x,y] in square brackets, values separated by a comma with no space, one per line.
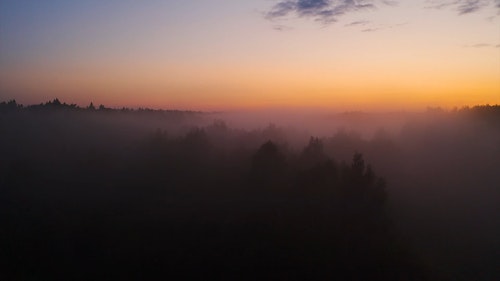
[240,54]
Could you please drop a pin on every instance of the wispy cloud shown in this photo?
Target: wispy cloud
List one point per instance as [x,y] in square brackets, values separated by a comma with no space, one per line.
[463,6]
[324,11]
[382,27]
[371,29]
[358,23]
[390,3]
[280,27]
[482,45]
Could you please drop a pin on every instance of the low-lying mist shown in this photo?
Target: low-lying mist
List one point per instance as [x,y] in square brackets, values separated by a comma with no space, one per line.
[138,194]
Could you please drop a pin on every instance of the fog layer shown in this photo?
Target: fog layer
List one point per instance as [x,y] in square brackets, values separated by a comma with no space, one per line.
[135,194]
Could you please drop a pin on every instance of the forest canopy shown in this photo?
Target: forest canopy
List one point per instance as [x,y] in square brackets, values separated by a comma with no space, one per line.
[139,193]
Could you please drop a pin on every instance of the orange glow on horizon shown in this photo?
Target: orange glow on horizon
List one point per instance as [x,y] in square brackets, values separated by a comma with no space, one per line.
[160,58]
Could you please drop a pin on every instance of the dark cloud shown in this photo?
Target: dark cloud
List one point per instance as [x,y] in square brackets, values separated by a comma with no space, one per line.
[468,6]
[329,11]
[325,11]
[463,6]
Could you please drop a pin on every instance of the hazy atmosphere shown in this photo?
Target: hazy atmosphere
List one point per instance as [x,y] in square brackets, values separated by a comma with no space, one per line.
[250,140]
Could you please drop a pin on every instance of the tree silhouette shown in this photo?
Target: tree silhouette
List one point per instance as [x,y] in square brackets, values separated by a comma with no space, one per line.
[10,106]
[312,154]
[268,164]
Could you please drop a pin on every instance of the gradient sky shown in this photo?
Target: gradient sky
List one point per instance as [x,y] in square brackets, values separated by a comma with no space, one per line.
[237,54]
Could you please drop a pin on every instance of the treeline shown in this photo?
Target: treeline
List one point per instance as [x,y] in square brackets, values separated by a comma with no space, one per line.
[486,111]
[56,104]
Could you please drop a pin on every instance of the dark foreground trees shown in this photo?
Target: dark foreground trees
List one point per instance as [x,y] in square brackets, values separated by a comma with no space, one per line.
[107,207]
